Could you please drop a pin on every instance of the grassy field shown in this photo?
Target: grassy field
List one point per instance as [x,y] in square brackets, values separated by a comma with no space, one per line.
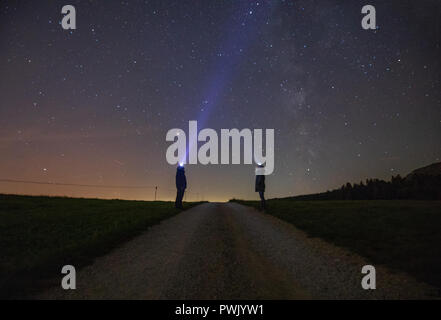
[401,234]
[38,235]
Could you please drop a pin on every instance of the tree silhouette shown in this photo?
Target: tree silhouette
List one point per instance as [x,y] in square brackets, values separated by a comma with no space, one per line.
[418,187]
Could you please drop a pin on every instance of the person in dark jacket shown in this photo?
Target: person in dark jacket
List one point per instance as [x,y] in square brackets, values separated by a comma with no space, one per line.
[181,185]
[260,186]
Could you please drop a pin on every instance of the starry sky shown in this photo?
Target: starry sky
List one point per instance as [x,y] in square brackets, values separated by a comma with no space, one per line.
[92,106]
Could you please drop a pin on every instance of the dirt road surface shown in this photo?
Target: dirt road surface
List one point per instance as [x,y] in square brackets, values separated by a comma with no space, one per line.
[229,251]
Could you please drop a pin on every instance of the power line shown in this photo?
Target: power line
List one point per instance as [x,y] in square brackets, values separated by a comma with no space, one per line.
[76,185]
[93,186]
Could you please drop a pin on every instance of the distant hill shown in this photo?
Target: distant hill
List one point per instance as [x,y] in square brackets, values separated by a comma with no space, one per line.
[421,184]
[431,170]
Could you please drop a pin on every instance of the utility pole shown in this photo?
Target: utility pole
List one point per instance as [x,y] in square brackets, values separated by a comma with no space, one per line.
[156,190]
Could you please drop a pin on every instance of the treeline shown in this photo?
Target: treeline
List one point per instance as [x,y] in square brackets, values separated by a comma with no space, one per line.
[417,187]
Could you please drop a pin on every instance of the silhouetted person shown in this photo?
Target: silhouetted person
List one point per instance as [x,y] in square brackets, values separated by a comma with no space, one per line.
[181,185]
[260,187]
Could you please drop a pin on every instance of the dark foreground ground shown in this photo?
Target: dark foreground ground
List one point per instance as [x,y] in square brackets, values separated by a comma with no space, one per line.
[38,235]
[149,250]
[231,251]
[402,235]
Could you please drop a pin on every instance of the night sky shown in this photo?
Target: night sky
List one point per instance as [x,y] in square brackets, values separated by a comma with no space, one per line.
[93,105]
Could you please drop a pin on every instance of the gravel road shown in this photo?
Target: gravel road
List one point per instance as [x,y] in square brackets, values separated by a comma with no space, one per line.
[229,251]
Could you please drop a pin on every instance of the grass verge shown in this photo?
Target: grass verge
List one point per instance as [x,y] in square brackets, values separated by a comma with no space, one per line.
[400,234]
[38,235]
